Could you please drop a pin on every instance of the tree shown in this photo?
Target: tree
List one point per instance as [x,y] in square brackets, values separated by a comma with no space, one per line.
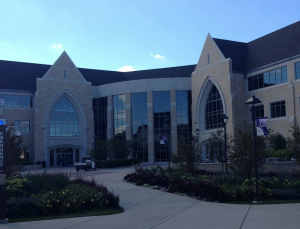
[242,152]
[294,142]
[188,158]
[14,153]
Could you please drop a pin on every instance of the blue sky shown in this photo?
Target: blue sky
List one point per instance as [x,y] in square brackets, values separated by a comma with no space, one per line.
[139,34]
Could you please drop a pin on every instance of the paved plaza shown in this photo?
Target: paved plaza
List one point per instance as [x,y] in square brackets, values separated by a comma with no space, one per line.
[146,208]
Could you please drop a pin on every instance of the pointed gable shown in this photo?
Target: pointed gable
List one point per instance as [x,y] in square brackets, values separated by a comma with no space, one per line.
[210,53]
[64,69]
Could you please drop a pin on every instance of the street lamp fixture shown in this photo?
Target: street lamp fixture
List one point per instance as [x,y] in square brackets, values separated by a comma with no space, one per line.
[197,132]
[225,119]
[17,132]
[251,102]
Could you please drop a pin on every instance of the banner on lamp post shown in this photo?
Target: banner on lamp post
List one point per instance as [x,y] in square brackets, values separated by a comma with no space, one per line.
[261,126]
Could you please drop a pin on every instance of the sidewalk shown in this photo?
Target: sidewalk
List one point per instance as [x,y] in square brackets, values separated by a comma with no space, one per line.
[147,208]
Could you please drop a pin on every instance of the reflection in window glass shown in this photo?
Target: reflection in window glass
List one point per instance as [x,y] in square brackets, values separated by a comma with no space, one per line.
[162,125]
[119,103]
[184,115]
[297,65]
[213,110]
[139,126]
[267,79]
[64,119]
[278,109]
[17,101]
[100,118]
[24,126]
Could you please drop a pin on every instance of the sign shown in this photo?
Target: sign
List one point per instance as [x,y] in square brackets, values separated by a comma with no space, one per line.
[2,179]
[2,138]
[2,122]
[163,140]
[261,126]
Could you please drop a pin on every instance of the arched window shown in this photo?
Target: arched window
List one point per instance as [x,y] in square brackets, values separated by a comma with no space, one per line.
[213,110]
[64,119]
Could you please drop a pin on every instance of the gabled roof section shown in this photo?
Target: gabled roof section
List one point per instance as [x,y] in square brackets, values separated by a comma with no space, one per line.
[273,47]
[237,51]
[276,46]
[22,76]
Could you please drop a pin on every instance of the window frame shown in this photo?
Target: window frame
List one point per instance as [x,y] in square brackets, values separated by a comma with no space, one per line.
[20,129]
[274,102]
[266,77]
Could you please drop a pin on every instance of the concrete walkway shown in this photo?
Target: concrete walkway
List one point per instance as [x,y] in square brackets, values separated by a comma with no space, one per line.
[147,208]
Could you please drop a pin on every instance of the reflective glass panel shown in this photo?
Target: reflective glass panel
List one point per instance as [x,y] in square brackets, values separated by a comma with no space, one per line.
[64,119]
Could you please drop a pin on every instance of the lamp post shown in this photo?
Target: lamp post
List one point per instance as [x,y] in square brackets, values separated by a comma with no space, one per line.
[225,119]
[252,101]
[197,132]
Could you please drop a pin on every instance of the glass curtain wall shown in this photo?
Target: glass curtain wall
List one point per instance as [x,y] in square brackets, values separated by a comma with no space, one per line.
[100,118]
[162,125]
[139,126]
[118,146]
[184,115]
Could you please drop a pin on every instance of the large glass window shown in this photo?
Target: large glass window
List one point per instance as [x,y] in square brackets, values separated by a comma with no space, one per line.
[64,119]
[267,79]
[139,126]
[162,125]
[297,68]
[213,110]
[17,101]
[184,114]
[119,103]
[278,109]
[24,126]
[100,118]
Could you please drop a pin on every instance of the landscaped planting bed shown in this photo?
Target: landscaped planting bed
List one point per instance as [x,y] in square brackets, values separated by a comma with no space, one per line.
[48,194]
[216,187]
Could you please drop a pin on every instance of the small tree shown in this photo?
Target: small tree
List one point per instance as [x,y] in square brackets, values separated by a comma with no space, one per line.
[294,142]
[242,155]
[188,158]
[14,152]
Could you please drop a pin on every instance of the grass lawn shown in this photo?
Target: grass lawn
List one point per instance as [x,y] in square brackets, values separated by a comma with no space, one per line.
[109,211]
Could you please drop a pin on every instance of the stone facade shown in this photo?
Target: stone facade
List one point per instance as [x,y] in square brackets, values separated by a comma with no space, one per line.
[62,80]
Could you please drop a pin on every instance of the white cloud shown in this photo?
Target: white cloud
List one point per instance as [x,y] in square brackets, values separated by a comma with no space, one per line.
[126,68]
[56,46]
[157,56]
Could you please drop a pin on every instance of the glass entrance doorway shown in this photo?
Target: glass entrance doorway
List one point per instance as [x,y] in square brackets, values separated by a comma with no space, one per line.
[64,156]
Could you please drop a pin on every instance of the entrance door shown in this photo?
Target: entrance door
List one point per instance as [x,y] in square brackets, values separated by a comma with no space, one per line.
[63,156]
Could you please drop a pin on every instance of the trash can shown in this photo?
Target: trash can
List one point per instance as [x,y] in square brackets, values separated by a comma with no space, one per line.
[44,164]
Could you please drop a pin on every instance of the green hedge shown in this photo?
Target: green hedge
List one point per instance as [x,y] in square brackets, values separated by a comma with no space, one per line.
[116,163]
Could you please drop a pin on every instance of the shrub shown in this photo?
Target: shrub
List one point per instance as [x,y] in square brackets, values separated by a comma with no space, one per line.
[22,207]
[286,194]
[43,182]
[15,186]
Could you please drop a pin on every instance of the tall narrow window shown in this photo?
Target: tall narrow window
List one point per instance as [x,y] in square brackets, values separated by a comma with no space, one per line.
[100,118]
[213,110]
[139,126]
[162,125]
[184,115]
[120,117]
[64,119]
[65,73]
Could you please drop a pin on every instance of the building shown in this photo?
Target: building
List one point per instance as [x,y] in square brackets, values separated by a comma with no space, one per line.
[62,109]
